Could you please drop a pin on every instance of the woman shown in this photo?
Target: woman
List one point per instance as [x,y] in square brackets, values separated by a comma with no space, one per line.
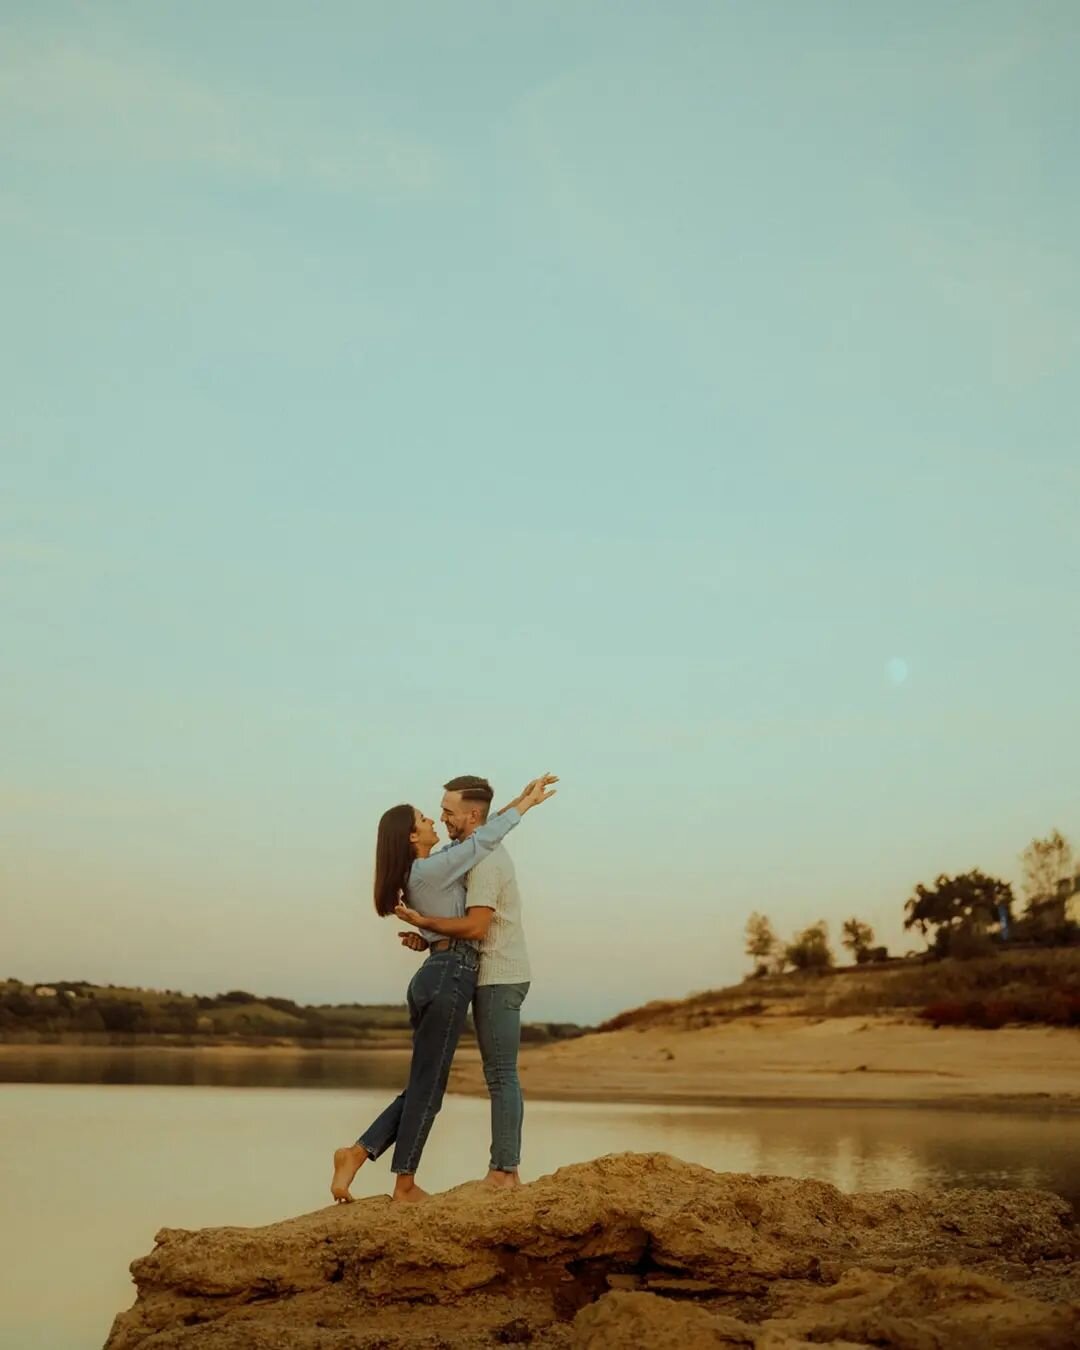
[441,990]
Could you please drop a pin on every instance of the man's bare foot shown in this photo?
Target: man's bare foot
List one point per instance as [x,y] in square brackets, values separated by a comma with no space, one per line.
[502,1181]
[407,1192]
[347,1162]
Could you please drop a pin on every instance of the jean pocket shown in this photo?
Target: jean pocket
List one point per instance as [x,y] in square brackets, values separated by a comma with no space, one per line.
[428,982]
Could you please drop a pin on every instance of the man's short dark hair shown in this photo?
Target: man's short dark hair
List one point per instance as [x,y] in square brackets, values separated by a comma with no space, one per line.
[472,789]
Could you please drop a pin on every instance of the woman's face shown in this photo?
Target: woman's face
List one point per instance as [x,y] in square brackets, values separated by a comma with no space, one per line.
[424,832]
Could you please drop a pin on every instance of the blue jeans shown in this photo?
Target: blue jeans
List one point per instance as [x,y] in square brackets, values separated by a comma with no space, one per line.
[497,1013]
[439,996]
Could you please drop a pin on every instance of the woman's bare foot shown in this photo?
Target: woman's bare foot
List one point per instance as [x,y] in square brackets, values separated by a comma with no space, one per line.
[502,1181]
[407,1192]
[347,1162]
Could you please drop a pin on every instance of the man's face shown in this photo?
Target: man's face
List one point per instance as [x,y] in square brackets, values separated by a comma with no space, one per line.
[459,817]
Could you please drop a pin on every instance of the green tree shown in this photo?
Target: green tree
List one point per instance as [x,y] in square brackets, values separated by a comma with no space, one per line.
[1049,882]
[970,905]
[1047,864]
[858,938]
[810,950]
[761,941]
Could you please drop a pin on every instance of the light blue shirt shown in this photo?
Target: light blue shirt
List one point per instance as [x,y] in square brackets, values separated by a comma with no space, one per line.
[437,882]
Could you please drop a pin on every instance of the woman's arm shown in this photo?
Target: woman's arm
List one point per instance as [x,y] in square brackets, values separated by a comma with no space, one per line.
[452,863]
[440,869]
[474,925]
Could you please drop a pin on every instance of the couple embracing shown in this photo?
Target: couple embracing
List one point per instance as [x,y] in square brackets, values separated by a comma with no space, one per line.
[464,901]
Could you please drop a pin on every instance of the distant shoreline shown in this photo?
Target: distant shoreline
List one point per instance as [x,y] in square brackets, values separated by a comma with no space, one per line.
[627,1069]
[280,1047]
[144,1041]
[1035,1104]
[807,1061]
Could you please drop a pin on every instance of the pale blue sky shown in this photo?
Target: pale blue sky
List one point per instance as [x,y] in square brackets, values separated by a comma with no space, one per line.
[683,399]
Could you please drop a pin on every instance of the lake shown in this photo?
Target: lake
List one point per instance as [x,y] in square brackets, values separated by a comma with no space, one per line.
[90,1169]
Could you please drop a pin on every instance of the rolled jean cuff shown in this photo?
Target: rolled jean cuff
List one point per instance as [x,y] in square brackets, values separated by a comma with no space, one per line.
[372,1153]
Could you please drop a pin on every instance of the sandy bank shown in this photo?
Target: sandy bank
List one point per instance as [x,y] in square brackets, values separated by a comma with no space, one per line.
[844,1060]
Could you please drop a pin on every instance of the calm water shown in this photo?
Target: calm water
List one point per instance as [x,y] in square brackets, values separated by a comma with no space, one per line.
[145,1066]
[89,1172]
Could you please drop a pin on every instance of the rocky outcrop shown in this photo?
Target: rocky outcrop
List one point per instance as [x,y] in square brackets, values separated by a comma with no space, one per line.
[626,1251]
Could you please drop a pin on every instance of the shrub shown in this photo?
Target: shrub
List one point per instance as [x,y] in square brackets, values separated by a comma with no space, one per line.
[1051,1007]
[810,950]
[118,1015]
[313,1027]
[20,1004]
[88,1018]
[285,1005]
[966,943]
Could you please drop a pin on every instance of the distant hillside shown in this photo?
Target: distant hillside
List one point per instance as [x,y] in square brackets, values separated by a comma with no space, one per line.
[1037,986]
[77,1011]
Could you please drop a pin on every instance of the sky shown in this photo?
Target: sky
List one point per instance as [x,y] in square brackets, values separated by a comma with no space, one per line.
[679,398]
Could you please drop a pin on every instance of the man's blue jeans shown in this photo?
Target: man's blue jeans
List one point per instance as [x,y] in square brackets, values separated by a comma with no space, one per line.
[497,1014]
[439,996]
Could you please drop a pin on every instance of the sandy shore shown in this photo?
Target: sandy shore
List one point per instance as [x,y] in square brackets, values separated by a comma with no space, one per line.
[845,1061]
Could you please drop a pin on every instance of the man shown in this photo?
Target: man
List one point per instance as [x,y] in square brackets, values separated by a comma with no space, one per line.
[492,918]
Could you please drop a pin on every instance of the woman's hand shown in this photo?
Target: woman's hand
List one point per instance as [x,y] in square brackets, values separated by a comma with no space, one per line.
[407,915]
[413,941]
[539,790]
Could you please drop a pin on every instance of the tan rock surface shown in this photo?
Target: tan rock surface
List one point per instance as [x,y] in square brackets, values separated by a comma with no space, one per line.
[625,1250]
[626,1321]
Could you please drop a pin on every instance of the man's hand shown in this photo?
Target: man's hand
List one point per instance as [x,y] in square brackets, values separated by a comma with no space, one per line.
[413,941]
[407,915]
[539,790]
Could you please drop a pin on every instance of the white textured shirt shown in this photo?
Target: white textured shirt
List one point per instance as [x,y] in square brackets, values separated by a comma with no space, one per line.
[504,958]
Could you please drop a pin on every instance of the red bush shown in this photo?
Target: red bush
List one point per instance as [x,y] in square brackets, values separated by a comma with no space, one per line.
[1050,1008]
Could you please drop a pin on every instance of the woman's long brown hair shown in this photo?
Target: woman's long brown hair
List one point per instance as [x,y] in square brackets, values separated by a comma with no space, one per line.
[393,857]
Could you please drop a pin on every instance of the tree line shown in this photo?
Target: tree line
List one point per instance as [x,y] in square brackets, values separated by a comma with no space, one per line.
[78,1006]
[968,915]
[83,1010]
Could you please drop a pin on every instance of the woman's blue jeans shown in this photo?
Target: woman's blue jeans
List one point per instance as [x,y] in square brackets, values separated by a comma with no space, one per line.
[497,1014]
[439,996]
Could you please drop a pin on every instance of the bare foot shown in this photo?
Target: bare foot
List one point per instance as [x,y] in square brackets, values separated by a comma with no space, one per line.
[347,1162]
[502,1181]
[408,1195]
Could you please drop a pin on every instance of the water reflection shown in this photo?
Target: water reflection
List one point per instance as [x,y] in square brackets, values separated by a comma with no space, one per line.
[145,1066]
[866,1148]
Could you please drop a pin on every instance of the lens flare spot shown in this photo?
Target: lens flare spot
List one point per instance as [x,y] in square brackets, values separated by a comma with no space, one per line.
[897,670]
